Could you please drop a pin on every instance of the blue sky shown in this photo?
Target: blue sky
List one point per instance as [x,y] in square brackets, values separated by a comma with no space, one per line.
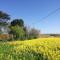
[32,11]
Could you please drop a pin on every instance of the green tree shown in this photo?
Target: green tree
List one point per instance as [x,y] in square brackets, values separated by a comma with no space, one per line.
[19,22]
[4,17]
[17,31]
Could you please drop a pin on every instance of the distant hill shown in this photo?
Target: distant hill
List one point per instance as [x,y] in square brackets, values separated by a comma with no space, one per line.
[50,35]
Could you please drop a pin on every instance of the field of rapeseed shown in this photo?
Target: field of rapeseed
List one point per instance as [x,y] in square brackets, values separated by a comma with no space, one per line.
[36,49]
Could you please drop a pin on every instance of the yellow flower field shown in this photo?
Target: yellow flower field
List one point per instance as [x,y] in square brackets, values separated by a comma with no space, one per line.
[35,49]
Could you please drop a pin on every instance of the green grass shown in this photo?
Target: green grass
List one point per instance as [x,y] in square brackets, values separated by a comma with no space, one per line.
[36,49]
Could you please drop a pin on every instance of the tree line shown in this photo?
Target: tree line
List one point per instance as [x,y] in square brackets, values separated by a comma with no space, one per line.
[17,28]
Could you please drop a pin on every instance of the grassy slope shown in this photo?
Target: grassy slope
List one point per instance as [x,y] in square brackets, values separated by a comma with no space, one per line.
[36,49]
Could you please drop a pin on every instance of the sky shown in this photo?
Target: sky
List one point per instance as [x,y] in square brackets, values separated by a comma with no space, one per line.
[33,12]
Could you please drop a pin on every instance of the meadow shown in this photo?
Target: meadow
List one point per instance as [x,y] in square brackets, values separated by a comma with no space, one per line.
[35,49]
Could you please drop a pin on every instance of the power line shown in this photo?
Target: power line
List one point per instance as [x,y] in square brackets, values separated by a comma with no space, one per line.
[51,13]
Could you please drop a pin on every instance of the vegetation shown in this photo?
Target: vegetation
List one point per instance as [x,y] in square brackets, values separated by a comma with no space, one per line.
[18,32]
[36,49]
[34,33]
[4,17]
[18,22]
[16,28]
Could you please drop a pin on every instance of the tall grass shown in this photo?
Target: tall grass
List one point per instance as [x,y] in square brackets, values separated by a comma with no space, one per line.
[36,49]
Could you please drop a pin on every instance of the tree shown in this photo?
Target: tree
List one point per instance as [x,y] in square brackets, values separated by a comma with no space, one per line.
[4,17]
[17,31]
[26,32]
[19,22]
[22,32]
[34,33]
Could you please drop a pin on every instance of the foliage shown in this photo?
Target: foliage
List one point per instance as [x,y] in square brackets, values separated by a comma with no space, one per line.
[19,22]
[36,49]
[4,17]
[17,27]
[34,33]
[17,31]
[26,32]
